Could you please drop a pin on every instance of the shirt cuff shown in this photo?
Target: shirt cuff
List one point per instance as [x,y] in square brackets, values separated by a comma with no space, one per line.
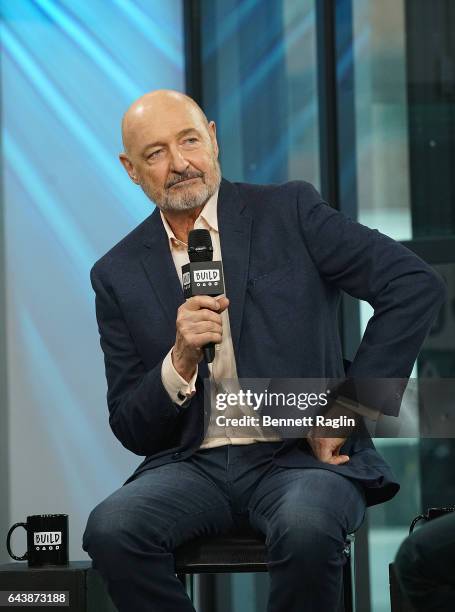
[370,413]
[179,390]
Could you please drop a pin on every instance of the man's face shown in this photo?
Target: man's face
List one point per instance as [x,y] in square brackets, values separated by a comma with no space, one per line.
[173,156]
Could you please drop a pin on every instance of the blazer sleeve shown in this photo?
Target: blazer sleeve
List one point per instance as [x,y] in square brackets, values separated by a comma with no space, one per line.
[141,413]
[404,291]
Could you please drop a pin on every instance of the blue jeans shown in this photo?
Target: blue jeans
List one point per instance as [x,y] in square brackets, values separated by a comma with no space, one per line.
[304,513]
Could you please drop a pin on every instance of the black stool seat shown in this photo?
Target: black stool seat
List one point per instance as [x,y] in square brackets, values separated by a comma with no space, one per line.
[240,551]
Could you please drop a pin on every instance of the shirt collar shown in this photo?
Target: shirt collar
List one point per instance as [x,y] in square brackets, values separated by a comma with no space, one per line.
[210,212]
[208,216]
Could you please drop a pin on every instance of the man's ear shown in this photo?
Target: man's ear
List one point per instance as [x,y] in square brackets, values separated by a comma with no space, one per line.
[128,167]
[212,134]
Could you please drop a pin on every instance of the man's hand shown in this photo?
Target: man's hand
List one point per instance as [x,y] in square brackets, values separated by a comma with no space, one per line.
[325,448]
[328,450]
[198,323]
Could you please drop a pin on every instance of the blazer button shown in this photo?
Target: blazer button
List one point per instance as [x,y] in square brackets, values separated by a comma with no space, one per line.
[176,455]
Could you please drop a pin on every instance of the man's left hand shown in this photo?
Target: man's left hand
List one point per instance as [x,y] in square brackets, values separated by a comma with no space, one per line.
[325,448]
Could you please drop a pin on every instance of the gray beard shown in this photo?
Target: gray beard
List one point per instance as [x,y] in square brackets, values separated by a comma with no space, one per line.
[187,200]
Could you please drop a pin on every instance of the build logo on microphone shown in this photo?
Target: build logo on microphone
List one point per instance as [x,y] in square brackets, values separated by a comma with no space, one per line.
[47,540]
[206,277]
[202,278]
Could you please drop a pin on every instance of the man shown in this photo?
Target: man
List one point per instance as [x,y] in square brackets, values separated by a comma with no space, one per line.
[286,255]
[425,566]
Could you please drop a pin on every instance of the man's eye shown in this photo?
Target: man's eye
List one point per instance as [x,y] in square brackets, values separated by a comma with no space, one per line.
[155,154]
[191,140]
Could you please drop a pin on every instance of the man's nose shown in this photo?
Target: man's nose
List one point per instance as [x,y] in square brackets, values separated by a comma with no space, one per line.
[178,162]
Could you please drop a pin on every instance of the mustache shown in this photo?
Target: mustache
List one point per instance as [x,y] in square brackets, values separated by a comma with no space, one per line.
[183,177]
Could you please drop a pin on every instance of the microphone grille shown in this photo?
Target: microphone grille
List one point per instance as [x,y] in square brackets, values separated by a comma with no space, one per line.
[200,245]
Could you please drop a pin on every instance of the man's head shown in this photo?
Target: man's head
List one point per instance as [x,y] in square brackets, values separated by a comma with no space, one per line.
[170,150]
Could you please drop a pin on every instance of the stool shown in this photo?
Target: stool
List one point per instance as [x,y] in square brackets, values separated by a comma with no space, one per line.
[241,551]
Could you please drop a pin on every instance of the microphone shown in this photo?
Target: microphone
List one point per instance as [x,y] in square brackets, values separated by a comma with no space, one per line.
[202,276]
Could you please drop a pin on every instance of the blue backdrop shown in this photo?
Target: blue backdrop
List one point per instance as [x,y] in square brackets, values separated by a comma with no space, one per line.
[70,68]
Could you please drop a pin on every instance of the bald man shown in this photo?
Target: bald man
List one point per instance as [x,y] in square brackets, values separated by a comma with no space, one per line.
[286,256]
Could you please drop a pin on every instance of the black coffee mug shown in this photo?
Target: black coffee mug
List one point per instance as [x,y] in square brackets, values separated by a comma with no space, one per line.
[47,540]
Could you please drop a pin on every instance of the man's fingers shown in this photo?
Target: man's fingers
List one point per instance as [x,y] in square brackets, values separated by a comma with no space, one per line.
[203,315]
[325,455]
[223,302]
[325,450]
[206,301]
[200,340]
[339,459]
[322,452]
[202,327]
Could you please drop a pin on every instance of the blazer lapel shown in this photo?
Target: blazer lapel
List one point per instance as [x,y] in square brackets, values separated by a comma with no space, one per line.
[160,269]
[234,224]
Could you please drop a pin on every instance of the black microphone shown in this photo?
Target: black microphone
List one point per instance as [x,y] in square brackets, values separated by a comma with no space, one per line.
[202,276]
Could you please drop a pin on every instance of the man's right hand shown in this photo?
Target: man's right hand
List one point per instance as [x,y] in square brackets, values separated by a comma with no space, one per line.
[198,323]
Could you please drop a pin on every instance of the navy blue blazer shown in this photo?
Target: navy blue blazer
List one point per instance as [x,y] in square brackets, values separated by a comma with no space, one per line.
[286,257]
